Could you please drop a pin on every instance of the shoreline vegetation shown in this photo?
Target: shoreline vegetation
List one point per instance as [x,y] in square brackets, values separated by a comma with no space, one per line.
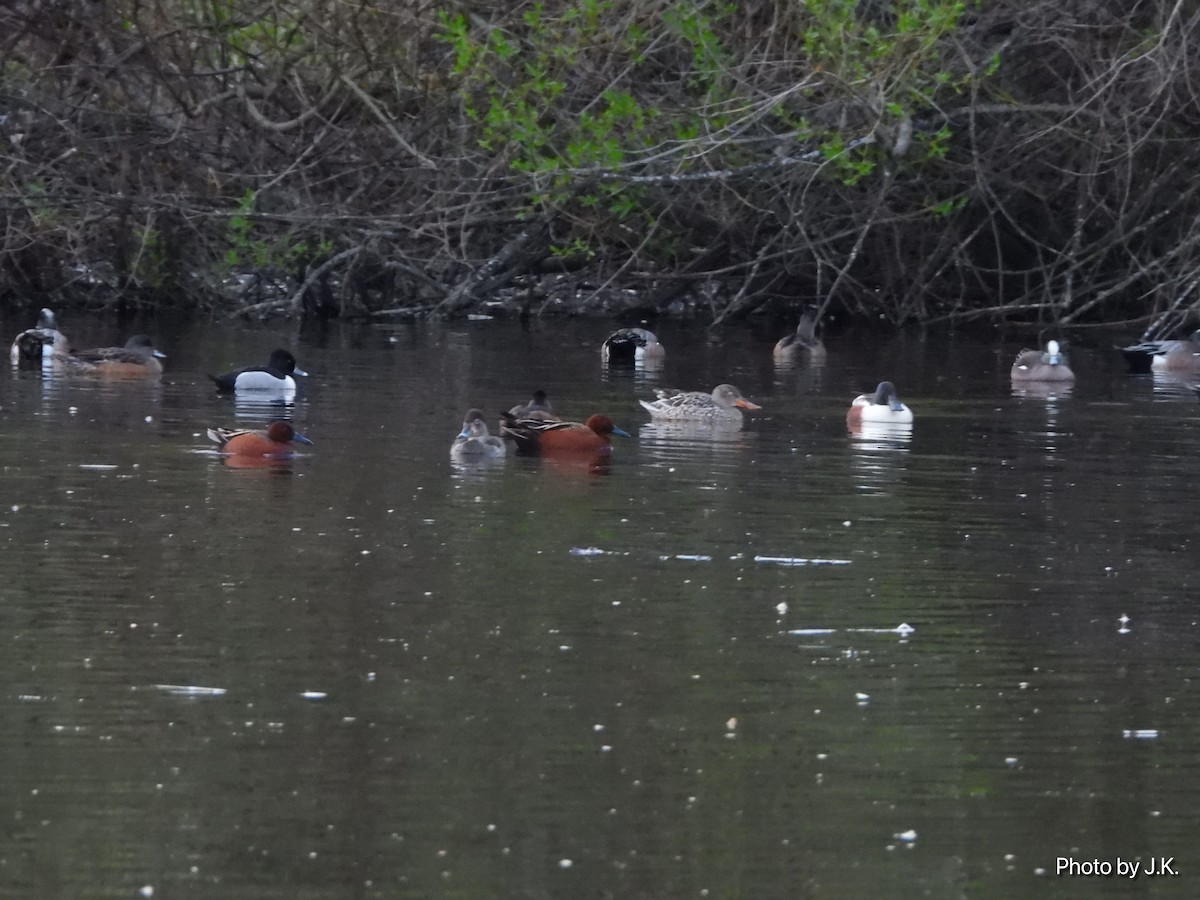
[1027,161]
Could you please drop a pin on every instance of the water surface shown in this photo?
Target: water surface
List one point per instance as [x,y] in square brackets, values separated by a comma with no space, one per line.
[369,672]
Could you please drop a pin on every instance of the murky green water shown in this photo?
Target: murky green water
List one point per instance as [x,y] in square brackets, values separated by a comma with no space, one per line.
[370,673]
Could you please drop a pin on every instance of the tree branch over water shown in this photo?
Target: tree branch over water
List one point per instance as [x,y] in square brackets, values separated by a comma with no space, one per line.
[898,159]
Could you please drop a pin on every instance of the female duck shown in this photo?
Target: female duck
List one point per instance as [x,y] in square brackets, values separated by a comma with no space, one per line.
[539,437]
[722,406]
[137,358]
[537,407]
[473,442]
[632,345]
[34,345]
[802,344]
[274,442]
[1165,356]
[276,375]
[1036,365]
[883,406]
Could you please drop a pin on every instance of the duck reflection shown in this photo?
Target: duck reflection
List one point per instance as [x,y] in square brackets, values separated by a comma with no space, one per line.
[1042,390]
[880,451]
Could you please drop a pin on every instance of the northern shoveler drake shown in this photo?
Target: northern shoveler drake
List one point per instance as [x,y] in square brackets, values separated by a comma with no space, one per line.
[1038,365]
[802,344]
[632,345]
[883,406]
[722,405]
[274,441]
[1165,356]
[276,375]
[537,407]
[474,442]
[33,345]
[137,358]
[539,437]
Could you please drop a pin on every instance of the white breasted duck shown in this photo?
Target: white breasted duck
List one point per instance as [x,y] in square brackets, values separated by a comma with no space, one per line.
[883,406]
[276,375]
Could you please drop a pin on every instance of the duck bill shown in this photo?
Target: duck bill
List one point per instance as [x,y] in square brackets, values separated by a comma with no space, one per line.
[743,403]
[301,439]
[621,432]
[300,372]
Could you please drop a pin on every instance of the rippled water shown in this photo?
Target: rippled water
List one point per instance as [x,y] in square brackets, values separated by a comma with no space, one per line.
[368,672]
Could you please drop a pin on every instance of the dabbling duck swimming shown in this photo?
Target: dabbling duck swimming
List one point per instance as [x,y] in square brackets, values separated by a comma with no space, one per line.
[1181,356]
[136,359]
[1039,365]
[37,344]
[632,345]
[275,441]
[802,344]
[723,405]
[883,407]
[540,437]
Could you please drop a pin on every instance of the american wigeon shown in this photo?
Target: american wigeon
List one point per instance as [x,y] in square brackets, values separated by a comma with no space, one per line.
[1165,356]
[1042,365]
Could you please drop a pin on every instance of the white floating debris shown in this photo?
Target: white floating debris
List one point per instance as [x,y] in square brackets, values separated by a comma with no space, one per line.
[800,561]
[587,551]
[861,697]
[907,836]
[565,863]
[731,724]
[903,630]
[146,890]
[1010,761]
[693,557]
[781,608]
[313,695]
[98,467]
[1141,734]
[190,690]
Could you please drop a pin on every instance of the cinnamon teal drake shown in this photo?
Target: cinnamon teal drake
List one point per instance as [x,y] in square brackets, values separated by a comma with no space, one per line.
[474,443]
[137,358]
[1182,356]
[1042,365]
[275,376]
[632,345]
[883,406]
[802,345]
[539,437]
[34,345]
[275,441]
[722,406]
